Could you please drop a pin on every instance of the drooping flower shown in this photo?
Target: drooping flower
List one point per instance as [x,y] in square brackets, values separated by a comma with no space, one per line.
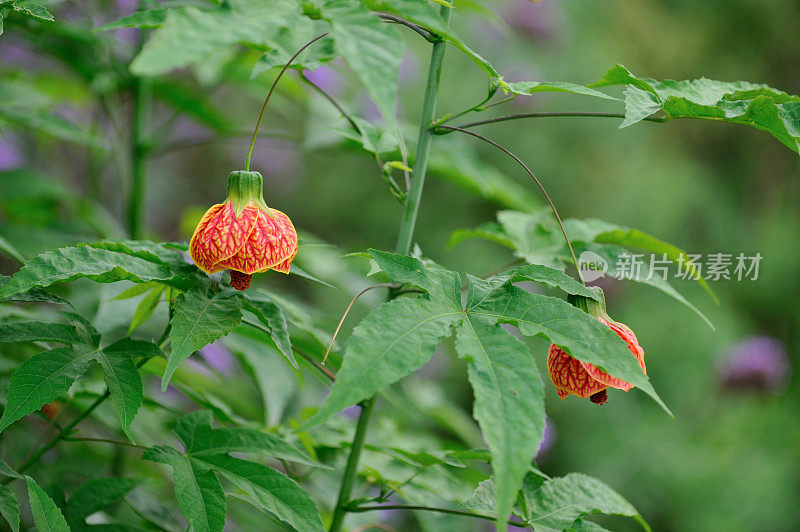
[242,234]
[572,376]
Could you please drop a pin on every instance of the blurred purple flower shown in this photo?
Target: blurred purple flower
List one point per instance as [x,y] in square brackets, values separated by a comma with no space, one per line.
[218,357]
[548,440]
[757,363]
[352,412]
[127,36]
[327,79]
[126,7]
[12,53]
[10,155]
[538,21]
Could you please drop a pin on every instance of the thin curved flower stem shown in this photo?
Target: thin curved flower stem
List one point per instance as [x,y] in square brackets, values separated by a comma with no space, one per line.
[322,369]
[539,183]
[427,35]
[433,509]
[554,114]
[347,311]
[269,95]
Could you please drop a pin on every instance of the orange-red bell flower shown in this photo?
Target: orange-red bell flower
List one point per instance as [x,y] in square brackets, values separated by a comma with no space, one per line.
[571,376]
[243,234]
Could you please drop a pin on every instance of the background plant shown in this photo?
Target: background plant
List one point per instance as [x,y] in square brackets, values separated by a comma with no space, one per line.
[130,123]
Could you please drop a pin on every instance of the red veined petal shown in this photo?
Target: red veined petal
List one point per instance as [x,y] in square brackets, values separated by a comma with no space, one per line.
[569,376]
[219,235]
[626,334]
[273,242]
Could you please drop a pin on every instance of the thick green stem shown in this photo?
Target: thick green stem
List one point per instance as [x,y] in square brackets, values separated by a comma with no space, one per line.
[139,147]
[409,221]
[405,237]
[352,465]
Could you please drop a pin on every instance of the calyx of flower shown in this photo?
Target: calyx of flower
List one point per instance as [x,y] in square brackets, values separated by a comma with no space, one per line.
[593,307]
[245,187]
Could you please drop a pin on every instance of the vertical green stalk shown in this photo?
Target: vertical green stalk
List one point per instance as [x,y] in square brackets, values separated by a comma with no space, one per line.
[414,196]
[404,240]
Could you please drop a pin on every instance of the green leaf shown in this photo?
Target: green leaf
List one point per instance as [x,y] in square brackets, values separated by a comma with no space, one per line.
[33,10]
[271,315]
[6,470]
[372,49]
[197,321]
[536,238]
[482,499]
[639,105]
[393,341]
[94,495]
[458,163]
[486,231]
[197,490]
[46,515]
[200,438]
[148,19]
[42,379]
[509,403]
[543,274]
[619,75]
[188,34]
[420,12]
[579,334]
[9,507]
[37,331]
[123,379]
[532,87]
[35,295]
[560,501]
[146,307]
[270,490]
[287,42]
[11,251]
[739,102]
[97,264]
[137,290]
[442,285]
